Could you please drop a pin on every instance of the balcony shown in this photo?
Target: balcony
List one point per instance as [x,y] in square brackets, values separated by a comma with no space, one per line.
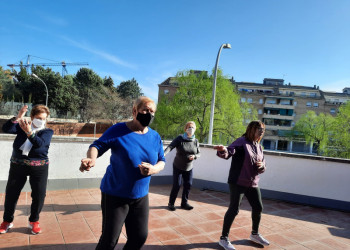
[277,127]
[303,197]
[278,116]
[278,106]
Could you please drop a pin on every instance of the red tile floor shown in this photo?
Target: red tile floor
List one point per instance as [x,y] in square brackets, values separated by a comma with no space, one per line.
[71,219]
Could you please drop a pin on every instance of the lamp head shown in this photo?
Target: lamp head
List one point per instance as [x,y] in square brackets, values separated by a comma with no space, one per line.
[35,75]
[227,46]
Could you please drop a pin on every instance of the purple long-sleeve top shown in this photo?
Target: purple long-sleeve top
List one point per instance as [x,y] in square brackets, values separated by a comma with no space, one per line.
[244,173]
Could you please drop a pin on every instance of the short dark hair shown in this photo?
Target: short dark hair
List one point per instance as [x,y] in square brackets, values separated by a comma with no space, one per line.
[38,109]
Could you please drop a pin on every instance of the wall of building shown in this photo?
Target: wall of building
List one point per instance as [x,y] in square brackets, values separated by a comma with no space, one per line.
[303,179]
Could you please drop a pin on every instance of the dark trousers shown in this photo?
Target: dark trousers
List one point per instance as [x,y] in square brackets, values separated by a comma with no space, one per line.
[178,176]
[115,212]
[16,181]
[236,195]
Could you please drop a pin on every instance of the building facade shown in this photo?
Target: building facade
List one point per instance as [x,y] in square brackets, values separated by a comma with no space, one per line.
[279,106]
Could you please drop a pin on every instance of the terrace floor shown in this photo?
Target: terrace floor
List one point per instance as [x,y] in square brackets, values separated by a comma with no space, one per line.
[71,219]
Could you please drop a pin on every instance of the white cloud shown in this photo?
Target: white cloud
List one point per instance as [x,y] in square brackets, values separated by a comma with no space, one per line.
[99,53]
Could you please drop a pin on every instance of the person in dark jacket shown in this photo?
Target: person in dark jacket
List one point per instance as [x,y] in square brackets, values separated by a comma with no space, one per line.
[137,153]
[29,158]
[187,150]
[247,163]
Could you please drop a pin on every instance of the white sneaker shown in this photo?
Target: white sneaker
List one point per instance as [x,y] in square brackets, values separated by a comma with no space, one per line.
[226,244]
[257,238]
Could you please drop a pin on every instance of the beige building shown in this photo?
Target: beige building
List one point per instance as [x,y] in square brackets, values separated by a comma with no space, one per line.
[279,106]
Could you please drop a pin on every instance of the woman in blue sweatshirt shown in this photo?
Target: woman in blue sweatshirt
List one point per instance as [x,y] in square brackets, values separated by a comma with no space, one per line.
[137,153]
[29,158]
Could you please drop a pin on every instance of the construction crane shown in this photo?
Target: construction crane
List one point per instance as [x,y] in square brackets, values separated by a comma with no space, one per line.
[63,64]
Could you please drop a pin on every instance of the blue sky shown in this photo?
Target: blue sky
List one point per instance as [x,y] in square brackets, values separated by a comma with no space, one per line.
[305,42]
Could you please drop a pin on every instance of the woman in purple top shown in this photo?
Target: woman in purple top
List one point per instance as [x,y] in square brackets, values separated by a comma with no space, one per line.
[247,163]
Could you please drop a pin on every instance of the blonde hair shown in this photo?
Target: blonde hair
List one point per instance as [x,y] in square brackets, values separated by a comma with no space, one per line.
[139,102]
[190,122]
[38,109]
[251,129]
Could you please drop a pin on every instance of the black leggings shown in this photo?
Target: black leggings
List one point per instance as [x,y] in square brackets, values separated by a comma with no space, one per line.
[187,177]
[116,211]
[15,183]
[236,195]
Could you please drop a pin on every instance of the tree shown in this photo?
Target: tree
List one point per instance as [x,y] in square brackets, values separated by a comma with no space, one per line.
[88,83]
[129,89]
[108,105]
[192,102]
[5,80]
[341,136]
[315,129]
[108,82]
[66,96]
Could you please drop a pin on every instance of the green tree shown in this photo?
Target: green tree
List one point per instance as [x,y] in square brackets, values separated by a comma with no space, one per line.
[5,80]
[108,82]
[129,89]
[315,129]
[341,136]
[192,101]
[66,96]
[88,83]
[37,88]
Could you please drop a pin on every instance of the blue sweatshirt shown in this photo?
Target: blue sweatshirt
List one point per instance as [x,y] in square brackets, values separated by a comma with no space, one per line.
[41,142]
[123,177]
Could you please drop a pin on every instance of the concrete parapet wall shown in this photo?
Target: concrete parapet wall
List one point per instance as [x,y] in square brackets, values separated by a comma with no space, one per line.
[299,178]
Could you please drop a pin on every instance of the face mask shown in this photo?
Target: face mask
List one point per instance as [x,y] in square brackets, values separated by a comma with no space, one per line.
[190,131]
[39,123]
[145,119]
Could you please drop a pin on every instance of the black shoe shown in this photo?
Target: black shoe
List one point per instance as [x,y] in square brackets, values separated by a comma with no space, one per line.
[171,207]
[186,206]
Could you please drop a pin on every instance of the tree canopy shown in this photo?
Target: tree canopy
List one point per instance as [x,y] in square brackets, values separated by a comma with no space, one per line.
[129,89]
[192,101]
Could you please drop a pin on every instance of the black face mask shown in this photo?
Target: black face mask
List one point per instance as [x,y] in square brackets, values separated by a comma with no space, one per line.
[145,119]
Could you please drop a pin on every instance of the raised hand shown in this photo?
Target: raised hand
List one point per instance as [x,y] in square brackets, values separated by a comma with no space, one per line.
[22,112]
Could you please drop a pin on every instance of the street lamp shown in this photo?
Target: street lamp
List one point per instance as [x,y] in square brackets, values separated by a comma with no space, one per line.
[211,123]
[47,92]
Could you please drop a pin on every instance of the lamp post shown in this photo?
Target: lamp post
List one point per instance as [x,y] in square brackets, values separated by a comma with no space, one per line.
[47,92]
[211,123]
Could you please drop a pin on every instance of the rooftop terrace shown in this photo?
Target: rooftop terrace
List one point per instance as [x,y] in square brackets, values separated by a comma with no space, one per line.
[71,219]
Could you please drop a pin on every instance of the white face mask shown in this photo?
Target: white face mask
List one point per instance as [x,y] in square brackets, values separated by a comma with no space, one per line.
[39,123]
[190,131]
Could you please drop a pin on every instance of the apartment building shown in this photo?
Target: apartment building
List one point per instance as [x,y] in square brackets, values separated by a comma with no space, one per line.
[279,106]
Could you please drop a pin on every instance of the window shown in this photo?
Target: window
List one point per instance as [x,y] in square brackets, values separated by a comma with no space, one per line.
[249,100]
[315,104]
[166,91]
[270,101]
[285,102]
[295,103]
[242,99]
[303,94]
[308,104]
[313,94]
[260,111]
[249,111]
[332,111]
